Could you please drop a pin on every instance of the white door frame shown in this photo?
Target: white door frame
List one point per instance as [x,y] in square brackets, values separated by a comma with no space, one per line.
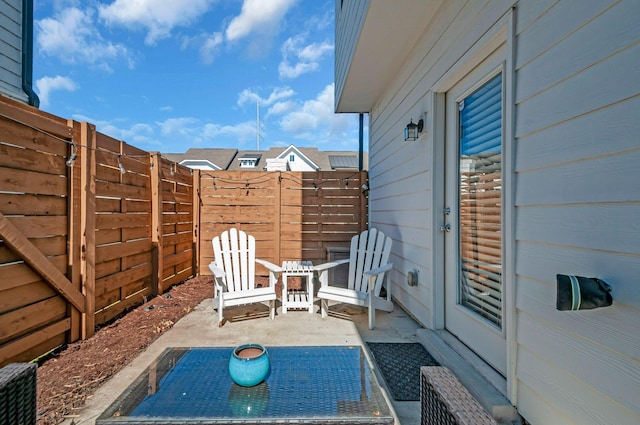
[500,33]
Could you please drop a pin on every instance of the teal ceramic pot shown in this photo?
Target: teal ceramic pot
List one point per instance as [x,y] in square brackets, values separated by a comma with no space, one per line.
[249,402]
[249,364]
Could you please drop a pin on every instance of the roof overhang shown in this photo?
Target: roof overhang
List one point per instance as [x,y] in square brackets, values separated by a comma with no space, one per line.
[200,164]
[388,34]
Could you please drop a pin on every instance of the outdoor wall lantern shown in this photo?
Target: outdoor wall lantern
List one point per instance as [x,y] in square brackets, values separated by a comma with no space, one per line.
[413,130]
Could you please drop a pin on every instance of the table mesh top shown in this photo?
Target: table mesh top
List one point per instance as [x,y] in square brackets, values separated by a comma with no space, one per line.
[305,385]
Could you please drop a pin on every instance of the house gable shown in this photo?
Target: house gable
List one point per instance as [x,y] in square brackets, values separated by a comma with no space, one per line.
[297,161]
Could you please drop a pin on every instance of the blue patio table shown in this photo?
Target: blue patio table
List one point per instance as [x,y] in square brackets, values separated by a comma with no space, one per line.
[306,385]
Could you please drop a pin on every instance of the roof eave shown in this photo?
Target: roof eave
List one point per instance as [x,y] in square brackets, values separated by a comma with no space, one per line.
[388,34]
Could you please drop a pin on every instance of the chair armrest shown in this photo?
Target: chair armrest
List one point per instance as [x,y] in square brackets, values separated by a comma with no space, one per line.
[273,271]
[217,271]
[218,275]
[329,265]
[378,270]
[372,276]
[272,267]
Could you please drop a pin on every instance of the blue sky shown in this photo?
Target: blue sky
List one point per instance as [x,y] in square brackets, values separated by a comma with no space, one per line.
[168,75]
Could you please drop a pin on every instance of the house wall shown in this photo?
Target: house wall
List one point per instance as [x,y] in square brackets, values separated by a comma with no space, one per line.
[577,150]
[298,163]
[573,188]
[11,49]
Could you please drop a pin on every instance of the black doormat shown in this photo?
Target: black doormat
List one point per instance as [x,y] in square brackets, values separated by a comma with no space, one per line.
[400,366]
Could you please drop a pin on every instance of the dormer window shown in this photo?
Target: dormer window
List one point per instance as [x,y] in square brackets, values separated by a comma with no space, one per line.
[292,158]
[249,161]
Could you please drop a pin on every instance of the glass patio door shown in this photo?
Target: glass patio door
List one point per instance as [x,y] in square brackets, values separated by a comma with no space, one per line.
[473,217]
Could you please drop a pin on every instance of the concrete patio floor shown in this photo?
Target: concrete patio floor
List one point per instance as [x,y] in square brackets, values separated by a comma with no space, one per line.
[198,329]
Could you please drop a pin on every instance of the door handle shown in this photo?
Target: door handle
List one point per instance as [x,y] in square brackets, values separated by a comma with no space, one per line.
[445,228]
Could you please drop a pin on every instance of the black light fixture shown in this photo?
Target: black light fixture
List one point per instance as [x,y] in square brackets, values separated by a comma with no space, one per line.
[412,131]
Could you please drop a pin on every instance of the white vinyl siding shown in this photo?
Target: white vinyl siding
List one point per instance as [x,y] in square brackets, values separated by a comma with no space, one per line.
[575,196]
[578,97]
[402,197]
[11,49]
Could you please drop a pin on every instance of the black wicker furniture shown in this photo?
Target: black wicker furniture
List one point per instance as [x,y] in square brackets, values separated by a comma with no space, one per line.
[18,394]
[445,401]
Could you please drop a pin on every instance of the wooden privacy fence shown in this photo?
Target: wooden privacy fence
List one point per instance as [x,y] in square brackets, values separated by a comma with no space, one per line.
[89,226]
[293,215]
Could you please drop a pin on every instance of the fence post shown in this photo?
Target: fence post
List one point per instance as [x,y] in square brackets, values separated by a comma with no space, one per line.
[364,199]
[156,223]
[278,219]
[74,265]
[195,261]
[88,146]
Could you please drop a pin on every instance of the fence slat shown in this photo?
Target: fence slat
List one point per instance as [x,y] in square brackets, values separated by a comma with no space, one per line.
[293,215]
[88,223]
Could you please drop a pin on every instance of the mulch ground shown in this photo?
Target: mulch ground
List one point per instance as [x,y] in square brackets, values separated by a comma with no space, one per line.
[72,374]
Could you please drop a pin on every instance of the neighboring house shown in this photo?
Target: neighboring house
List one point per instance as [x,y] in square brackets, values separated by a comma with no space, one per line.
[296,160]
[291,158]
[16,51]
[526,167]
[204,159]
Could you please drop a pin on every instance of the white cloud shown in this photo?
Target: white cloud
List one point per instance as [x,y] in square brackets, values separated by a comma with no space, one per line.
[315,51]
[278,93]
[316,117]
[46,85]
[207,45]
[71,36]
[210,47]
[242,132]
[279,108]
[140,135]
[258,16]
[158,17]
[287,71]
[306,58]
[183,126]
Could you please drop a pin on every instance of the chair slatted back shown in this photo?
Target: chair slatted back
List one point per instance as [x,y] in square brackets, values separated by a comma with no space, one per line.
[235,252]
[369,250]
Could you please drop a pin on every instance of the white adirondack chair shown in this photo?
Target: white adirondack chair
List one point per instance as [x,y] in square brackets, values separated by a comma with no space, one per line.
[368,263]
[233,267]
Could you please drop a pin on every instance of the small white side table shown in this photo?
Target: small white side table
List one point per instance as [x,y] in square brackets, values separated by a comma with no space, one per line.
[302,298]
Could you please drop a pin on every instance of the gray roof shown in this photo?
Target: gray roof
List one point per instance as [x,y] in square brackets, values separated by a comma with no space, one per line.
[228,159]
[343,161]
[220,157]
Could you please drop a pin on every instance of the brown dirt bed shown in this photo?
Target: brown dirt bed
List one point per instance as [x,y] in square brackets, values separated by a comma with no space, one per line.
[67,378]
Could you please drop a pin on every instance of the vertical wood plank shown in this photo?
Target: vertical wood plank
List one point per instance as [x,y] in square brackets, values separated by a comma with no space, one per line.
[277,182]
[195,258]
[156,224]
[74,264]
[364,207]
[88,223]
